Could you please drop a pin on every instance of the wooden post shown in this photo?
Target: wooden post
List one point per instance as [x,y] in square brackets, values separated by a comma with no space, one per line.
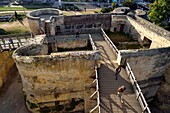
[3,42]
[9,46]
[1,48]
[19,41]
[18,44]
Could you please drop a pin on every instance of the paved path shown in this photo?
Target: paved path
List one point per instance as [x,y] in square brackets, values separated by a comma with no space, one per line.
[110,103]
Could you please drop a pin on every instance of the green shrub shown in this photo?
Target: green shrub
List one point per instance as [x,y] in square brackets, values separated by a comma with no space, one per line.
[106,10]
[2,32]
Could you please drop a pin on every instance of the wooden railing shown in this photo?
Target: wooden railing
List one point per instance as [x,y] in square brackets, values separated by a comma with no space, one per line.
[138,92]
[16,41]
[97,107]
[9,46]
[136,87]
[92,43]
[107,39]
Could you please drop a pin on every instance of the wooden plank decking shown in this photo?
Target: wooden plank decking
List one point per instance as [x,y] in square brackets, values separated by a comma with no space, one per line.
[109,101]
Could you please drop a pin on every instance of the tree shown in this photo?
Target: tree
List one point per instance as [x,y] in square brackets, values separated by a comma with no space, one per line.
[130,4]
[113,5]
[159,11]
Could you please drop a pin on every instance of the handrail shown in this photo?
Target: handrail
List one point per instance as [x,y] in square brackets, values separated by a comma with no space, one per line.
[9,46]
[96,92]
[139,94]
[98,95]
[114,48]
[92,43]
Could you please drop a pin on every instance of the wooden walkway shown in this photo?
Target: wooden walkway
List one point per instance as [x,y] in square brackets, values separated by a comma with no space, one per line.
[17,41]
[109,101]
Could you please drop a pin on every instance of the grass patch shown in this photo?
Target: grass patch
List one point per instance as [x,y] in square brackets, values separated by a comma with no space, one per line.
[119,37]
[12,9]
[17,31]
[15,27]
[25,7]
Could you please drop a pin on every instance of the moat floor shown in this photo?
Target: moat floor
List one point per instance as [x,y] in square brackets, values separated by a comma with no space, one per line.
[11,96]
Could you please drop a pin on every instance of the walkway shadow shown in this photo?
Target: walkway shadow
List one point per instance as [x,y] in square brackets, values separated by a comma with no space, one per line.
[108,86]
[128,106]
[108,82]
[103,51]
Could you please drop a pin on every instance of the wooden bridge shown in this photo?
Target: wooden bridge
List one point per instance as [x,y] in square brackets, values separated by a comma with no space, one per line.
[134,101]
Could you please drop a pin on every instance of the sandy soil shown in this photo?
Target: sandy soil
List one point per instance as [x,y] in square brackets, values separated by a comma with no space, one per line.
[16,25]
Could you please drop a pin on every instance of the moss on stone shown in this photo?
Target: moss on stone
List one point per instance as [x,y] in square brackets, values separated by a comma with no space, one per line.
[32,105]
[73,104]
[45,110]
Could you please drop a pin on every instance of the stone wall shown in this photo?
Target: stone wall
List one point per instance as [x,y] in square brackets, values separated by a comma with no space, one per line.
[57,78]
[6,63]
[34,25]
[88,21]
[139,28]
[150,31]
[148,67]
[37,22]
[72,43]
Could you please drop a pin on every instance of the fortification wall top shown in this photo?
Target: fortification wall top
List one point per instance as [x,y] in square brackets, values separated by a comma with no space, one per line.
[150,52]
[153,27]
[31,50]
[89,20]
[20,55]
[45,11]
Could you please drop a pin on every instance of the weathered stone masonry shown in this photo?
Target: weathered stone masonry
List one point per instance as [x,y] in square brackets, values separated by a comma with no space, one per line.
[55,80]
[139,29]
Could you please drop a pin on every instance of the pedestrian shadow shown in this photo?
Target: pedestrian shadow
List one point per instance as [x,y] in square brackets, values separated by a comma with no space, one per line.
[21,21]
[126,105]
[108,86]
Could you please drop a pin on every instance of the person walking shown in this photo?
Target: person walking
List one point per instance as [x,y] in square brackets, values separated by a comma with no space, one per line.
[10,40]
[77,34]
[120,91]
[117,72]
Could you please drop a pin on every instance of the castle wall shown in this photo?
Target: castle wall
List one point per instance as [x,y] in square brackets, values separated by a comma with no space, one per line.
[34,25]
[37,18]
[158,36]
[148,67]
[120,23]
[58,77]
[63,23]
[88,21]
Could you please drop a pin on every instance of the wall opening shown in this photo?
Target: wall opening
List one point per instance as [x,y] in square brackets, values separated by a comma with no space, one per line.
[146,42]
[57,29]
[122,27]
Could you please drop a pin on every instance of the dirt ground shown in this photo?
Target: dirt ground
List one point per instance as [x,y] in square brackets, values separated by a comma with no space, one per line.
[19,27]
[15,27]
[12,98]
